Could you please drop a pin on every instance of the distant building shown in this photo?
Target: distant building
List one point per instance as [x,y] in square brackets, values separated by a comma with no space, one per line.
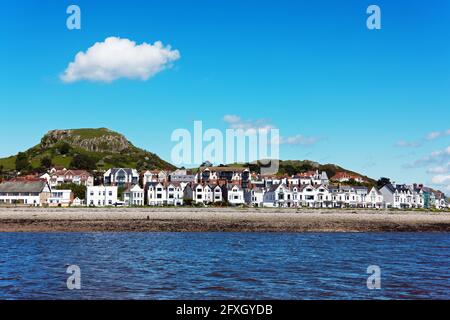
[64,176]
[25,192]
[77,202]
[309,177]
[223,175]
[156,193]
[101,196]
[134,196]
[154,176]
[397,196]
[254,196]
[233,194]
[346,177]
[374,199]
[121,177]
[60,198]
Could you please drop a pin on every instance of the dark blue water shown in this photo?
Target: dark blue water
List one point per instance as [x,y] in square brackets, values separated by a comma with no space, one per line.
[224,265]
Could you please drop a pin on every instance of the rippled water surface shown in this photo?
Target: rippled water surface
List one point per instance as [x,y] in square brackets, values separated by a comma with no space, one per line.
[224,265]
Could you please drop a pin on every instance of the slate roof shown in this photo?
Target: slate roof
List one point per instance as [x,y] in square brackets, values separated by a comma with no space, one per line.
[398,187]
[128,171]
[23,186]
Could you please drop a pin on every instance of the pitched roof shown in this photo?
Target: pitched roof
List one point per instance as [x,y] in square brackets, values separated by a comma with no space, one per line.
[23,186]
[228,169]
[128,171]
[344,175]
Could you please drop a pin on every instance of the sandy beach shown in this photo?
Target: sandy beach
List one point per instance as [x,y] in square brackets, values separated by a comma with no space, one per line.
[218,219]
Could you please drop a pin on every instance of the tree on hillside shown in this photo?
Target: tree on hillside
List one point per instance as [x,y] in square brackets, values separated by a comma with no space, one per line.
[46,162]
[22,162]
[84,162]
[79,191]
[64,148]
[289,169]
[382,182]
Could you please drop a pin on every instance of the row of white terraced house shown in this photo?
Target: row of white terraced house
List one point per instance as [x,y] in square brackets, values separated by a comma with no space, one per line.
[278,195]
[272,195]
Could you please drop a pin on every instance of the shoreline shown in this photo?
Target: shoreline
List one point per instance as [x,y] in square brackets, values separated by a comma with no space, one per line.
[183,219]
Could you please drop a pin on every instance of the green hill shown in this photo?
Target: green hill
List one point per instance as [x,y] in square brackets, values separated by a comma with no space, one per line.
[291,167]
[99,149]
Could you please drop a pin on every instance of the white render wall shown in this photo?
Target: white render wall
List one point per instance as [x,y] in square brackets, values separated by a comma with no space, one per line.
[31,199]
[101,196]
[60,198]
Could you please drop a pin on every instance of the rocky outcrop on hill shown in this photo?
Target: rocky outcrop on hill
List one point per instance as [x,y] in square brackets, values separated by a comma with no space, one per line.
[102,141]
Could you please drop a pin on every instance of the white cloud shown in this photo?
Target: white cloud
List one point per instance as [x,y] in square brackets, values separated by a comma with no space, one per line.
[249,126]
[437,134]
[441,179]
[436,157]
[406,144]
[230,118]
[429,137]
[299,140]
[117,58]
[254,126]
[440,169]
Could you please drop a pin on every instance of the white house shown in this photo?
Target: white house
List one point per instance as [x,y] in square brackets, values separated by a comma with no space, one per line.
[60,198]
[397,196]
[206,193]
[315,196]
[278,195]
[64,176]
[227,174]
[351,196]
[308,196]
[101,196]
[134,196]
[77,202]
[175,193]
[345,177]
[310,177]
[149,176]
[374,199]
[255,196]
[156,194]
[234,194]
[121,177]
[30,193]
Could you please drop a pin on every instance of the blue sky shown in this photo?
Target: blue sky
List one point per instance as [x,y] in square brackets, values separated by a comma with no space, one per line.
[369,98]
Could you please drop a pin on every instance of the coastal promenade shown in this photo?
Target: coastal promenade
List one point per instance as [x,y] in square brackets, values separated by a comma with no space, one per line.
[163,219]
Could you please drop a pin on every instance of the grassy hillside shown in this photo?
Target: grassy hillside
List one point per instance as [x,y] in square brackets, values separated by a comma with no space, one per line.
[292,167]
[103,147]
